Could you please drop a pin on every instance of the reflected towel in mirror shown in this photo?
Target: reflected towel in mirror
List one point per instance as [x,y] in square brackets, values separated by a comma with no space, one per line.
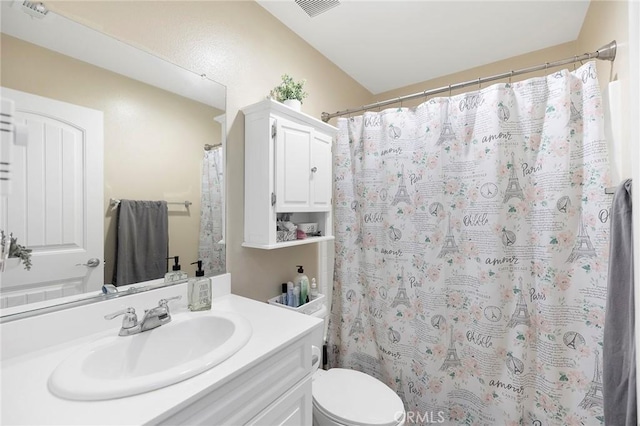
[142,241]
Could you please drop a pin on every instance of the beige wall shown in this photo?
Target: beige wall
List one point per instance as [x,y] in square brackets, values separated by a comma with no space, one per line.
[239,44]
[153,140]
[538,57]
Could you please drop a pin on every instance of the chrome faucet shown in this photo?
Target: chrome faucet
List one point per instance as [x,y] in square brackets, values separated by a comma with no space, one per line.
[154,317]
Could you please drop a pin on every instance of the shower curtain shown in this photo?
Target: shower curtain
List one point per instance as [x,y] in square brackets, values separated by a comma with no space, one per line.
[471,252]
[211,248]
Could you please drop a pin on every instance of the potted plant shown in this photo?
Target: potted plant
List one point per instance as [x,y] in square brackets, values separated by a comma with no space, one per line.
[290,92]
[9,248]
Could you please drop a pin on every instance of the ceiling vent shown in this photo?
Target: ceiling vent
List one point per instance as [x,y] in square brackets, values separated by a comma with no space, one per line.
[314,8]
[31,8]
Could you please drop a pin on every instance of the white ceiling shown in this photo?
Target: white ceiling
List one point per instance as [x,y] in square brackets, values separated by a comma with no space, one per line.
[389,44]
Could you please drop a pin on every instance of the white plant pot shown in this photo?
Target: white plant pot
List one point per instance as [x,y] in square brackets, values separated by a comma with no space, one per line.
[10,263]
[293,104]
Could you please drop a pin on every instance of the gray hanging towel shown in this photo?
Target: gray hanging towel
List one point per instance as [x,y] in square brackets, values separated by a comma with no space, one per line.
[142,241]
[619,346]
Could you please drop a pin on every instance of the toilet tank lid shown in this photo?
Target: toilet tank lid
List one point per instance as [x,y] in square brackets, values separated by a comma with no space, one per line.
[352,397]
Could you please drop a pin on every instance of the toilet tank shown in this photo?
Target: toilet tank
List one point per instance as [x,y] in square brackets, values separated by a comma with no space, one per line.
[319,338]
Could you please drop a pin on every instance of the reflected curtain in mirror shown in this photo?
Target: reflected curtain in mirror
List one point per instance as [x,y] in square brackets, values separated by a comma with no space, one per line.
[211,249]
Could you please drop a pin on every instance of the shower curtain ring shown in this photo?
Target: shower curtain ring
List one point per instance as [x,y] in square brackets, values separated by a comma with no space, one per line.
[510,76]
[449,90]
[479,85]
[575,59]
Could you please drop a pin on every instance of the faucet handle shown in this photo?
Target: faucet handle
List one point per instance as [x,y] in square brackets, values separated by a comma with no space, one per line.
[130,319]
[164,303]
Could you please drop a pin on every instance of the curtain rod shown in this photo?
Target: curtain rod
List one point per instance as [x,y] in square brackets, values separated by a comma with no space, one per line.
[606,53]
[209,147]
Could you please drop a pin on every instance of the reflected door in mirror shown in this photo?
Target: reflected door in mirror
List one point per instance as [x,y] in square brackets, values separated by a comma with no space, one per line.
[53,208]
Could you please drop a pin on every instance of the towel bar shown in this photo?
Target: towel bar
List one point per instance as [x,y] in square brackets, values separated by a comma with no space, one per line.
[113,202]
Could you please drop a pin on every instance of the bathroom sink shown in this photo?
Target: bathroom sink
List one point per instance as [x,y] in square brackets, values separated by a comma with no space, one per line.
[116,366]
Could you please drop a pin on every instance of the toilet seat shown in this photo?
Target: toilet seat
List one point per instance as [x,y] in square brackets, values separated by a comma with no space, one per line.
[353,398]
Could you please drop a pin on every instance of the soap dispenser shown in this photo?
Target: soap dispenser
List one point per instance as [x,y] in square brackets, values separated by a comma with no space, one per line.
[303,281]
[199,290]
[176,275]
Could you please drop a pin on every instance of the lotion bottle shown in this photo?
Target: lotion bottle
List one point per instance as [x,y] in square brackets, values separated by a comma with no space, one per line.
[303,281]
[199,290]
[176,275]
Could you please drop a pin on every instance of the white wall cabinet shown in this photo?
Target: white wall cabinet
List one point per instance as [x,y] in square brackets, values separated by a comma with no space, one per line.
[288,169]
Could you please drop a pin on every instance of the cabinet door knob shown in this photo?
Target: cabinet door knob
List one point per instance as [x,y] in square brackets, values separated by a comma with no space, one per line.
[314,169]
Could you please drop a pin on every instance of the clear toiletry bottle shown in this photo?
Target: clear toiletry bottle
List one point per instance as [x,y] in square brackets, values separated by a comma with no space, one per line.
[303,281]
[176,275]
[290,294]
[199,290]
[314,290]
[296,296]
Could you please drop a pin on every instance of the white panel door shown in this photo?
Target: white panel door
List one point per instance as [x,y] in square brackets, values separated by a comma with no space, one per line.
[56,206]
[293,144]
[321,177]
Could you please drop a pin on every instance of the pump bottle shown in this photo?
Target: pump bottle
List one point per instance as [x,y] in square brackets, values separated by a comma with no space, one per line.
[176,275]
[199,290]
[303,281]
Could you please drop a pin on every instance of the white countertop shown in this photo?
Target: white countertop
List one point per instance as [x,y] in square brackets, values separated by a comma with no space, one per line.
[25,398]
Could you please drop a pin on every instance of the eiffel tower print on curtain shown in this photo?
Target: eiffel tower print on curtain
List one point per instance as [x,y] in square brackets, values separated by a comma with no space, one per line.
[583,246]
[402,194]
[452,359]
[446,134]
[521,313]
[575,114]
[357,326]
[513,188]
[594,397]
[449,245]
[400,387]
[401,297]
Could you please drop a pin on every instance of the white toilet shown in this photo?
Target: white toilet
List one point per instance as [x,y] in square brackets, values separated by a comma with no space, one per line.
[344,397]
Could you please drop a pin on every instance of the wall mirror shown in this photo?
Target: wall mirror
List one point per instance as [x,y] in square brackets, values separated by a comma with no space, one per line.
[156,122]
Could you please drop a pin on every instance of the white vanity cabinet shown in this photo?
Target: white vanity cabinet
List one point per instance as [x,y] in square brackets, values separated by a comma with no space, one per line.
[288,169]
[266,382]
[276,391]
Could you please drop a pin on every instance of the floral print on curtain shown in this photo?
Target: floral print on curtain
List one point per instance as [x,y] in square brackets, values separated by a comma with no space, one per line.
[471,252]
[211,249]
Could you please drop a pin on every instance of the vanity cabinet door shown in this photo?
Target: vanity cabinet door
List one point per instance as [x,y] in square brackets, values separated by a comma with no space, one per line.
[295,408]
